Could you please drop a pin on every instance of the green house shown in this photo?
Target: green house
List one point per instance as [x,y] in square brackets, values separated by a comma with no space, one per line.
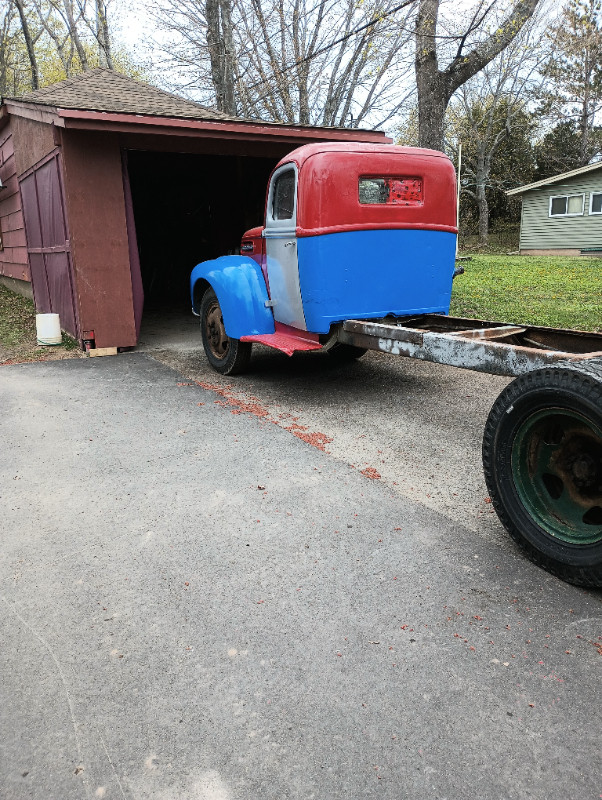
[562,215]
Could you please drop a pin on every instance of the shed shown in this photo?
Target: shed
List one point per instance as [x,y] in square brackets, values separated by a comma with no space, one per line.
[113,190]
[562,215]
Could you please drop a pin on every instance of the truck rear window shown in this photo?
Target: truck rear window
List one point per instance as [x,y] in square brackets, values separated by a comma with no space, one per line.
[390,191]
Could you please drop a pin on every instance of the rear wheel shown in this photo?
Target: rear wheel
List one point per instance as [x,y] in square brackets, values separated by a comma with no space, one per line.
[227,356]
[542,456]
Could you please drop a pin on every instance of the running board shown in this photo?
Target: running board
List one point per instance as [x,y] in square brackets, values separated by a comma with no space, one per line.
[286,339]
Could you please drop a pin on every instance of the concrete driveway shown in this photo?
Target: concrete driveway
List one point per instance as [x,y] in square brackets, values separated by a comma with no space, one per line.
[208,593]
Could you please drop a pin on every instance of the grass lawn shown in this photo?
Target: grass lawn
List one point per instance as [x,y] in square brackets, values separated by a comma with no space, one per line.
[18,340]
[547,290]
[535,290]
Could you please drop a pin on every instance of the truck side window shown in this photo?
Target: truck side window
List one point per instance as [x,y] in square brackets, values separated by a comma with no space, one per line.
[283,203]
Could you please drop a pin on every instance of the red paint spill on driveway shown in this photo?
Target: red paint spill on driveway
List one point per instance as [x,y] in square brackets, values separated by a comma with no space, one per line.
[252,405]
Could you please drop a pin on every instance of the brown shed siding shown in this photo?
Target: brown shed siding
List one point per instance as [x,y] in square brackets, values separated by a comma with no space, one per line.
[33,142]
[13,256]
[99,239]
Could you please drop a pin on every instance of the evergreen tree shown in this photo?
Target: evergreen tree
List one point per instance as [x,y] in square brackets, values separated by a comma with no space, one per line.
[560,150]
[574,72]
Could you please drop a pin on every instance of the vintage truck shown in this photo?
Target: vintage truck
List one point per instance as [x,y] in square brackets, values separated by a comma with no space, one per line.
[358,252]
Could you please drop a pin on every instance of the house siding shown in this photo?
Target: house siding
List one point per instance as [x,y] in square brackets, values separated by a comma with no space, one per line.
[539,231]
[13,257]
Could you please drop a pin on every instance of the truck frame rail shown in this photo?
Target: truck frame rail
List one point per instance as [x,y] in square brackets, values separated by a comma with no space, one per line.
[493,347]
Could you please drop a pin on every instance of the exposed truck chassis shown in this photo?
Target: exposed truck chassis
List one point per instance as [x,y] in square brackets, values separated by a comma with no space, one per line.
[493,347]
[542,445]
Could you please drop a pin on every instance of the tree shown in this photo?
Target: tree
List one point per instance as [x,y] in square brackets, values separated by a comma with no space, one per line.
[573,96]
[29,43]
[45,41]
[60,20]
[15,65]
[560,150]
[474,46]
[102,35]
[328,62]
[220,44]
[497,155]
[490,118]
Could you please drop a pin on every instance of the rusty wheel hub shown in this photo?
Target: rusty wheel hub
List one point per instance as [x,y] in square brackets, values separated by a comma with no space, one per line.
[216,333]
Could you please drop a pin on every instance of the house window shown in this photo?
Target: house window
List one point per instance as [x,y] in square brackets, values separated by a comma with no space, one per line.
[595,203]
[567,205]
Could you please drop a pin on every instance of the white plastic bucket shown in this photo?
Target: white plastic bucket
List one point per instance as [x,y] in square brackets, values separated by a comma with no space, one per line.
[48,329]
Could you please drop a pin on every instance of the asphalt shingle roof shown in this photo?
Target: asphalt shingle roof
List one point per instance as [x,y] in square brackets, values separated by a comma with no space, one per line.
[105,90]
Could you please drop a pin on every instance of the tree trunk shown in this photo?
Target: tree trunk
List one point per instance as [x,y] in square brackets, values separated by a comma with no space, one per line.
[220,46]
[483,207]
[432,100]
[483,168]
[102,36]
[435,87]
[35,75]
[73,33]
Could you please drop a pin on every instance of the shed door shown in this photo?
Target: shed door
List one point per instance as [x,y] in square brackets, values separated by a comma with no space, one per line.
[48,245]
[281,248]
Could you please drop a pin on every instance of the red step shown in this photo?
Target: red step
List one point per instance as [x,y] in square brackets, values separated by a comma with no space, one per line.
[286,339]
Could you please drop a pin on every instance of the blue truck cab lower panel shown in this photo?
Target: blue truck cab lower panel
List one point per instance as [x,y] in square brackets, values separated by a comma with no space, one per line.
[366,274]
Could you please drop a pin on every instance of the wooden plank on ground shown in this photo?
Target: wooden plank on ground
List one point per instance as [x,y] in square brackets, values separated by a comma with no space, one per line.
[102,351]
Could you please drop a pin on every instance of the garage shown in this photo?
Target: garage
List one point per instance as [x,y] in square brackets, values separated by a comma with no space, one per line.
[114,190]
[196,211]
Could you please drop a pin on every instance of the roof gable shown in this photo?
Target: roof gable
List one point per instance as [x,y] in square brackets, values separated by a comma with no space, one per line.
[555,179]
[105,90]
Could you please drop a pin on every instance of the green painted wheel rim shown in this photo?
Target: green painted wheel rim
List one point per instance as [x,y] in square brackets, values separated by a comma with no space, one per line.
[557,472]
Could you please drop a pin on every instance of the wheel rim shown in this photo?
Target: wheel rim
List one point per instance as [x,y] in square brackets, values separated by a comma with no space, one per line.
[215,332]
[557,471]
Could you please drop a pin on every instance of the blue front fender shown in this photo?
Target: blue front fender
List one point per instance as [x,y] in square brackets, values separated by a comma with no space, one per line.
[240,287]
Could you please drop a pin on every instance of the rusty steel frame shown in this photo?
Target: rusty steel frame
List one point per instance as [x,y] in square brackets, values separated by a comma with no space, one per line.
[493,347]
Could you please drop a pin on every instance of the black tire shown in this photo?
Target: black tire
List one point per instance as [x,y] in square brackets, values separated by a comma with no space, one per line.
[227,356]
[542,457]
[345,353]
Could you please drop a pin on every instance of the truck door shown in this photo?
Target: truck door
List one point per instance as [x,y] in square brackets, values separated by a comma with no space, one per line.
[281,248]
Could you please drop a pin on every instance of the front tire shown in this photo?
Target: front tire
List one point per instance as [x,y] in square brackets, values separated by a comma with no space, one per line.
[227,356]
[542,458]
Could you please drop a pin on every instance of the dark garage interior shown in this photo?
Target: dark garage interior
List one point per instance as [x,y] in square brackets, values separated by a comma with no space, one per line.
[190,208]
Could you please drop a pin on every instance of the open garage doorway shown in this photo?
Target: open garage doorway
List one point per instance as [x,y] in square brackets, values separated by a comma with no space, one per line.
[188,208]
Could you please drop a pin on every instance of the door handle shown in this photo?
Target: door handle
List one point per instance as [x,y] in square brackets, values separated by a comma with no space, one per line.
[289,244]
